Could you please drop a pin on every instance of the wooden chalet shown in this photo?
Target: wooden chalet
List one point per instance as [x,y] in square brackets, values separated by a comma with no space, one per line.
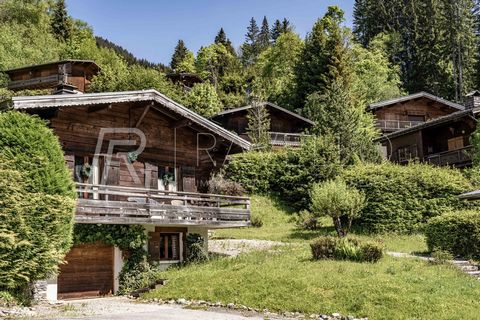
[442,141]
[405,112]
[137,158]
[286,127]
[66,75]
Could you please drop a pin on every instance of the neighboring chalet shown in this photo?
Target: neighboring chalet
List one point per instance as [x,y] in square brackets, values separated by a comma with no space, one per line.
[286,127]
[185,79]
[61,76]
[442,139]
[137,158]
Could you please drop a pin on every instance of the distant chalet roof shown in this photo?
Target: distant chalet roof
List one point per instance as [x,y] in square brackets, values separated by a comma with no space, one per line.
[74,61]
[422,94]
[75,100]
[431,123]
[272,105]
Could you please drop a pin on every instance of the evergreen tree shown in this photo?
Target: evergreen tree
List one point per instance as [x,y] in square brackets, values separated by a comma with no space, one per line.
[276,30]
[179,55]
[264,36]
[60,23]
[286,26]
[221,38]
[258,124]
[250,48]
[325,57]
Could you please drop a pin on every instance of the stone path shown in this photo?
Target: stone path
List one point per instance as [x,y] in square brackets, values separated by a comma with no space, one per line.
[234,247]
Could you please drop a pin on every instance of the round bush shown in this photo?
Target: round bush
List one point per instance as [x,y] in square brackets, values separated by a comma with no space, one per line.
[456,232]
[37,201]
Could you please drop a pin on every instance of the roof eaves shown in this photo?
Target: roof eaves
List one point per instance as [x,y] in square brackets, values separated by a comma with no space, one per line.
[421,94]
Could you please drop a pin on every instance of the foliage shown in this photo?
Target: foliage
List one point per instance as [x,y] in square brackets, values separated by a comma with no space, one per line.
[258,127]
[61,27]
[335,199]
[218,184]
[307,221]
[276,69]
[204,100]
[352,249]
[324,247]
[475,142]
[196,252]
[256,221]
[403,198]
[457,232]
[441,257]
[37,198]
[125,237]
[279,28]
[141,275]
[179,55]
[250,48]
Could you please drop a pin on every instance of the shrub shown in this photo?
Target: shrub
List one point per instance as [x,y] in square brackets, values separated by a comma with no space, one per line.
[324,247]
[351,249]
[337,200]
[37,201]
[256,221]
[140,276]
[196,252]
[403,198]
[441,257]
[218,184]
[307,221]
[456,232]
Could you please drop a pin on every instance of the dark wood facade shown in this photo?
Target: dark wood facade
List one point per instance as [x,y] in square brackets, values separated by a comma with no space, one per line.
[161,184]
[76,74]
[409,111]
[286,127]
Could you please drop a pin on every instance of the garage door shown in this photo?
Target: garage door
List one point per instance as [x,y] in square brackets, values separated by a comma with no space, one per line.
[88,272]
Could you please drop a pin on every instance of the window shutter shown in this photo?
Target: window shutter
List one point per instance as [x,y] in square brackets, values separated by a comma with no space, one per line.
[70,162]
[188,179]
[151,176]
[154,245]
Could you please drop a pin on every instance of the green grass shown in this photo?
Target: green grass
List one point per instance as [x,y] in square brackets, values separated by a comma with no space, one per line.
[279,225]
[288,280]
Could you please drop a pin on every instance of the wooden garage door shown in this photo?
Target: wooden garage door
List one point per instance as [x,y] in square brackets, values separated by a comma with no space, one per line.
[88,272]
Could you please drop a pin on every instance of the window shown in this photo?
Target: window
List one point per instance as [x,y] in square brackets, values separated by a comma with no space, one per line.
[407,153]
[167,178]
[416,118]
[170,246]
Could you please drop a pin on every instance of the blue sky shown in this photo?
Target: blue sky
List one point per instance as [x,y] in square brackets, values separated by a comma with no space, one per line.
[151,28]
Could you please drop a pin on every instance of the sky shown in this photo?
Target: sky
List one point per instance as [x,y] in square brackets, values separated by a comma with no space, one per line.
[150,29]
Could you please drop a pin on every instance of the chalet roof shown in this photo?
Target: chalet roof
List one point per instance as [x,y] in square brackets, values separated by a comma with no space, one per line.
[431,123]
[75,61]
[474,195]
[75,100]
[418,95]
[271,105]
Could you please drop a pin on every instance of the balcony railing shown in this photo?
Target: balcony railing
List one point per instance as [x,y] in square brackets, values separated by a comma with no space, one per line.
[395,125]
[286,139]
[459,157]
[127,205]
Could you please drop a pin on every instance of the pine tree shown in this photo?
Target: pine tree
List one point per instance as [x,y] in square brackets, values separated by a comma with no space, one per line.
[276,30]
[61,25]
[264,36]
[286,26]
[250,48]
[179,54]
[258,124]
[221,38]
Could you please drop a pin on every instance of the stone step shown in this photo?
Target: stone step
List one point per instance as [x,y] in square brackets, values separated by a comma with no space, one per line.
[461,262]
[474,273]
[469,268]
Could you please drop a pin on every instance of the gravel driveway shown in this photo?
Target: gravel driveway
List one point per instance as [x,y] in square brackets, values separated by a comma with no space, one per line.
[120,308]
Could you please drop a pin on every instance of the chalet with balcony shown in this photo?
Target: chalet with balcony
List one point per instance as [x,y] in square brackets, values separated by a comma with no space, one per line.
[137,158]
[443,141]
[66,75]
[286,127]
[409,111]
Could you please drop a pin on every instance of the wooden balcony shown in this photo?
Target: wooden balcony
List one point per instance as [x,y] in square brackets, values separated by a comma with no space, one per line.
[126,205]
[286,139]
[458,158]
[37,82]
[395,125]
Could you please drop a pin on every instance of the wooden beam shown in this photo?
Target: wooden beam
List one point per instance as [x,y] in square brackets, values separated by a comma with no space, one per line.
[144,113]
[164,112]
[182,123]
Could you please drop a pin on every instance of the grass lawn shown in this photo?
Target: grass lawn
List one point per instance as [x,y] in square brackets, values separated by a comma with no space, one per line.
[288,280]
[278,225]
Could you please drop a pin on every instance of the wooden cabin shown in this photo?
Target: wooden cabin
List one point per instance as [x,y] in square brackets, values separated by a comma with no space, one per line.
[441,141]
[137,158]
[405,112]
[286,127]
[70,75]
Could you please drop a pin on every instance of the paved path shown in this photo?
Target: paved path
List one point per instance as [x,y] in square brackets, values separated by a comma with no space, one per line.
[120,308]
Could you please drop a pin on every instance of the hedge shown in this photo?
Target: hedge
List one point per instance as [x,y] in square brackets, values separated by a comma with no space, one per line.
[455,232]
[403,198]
[290,172]
[37,201]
